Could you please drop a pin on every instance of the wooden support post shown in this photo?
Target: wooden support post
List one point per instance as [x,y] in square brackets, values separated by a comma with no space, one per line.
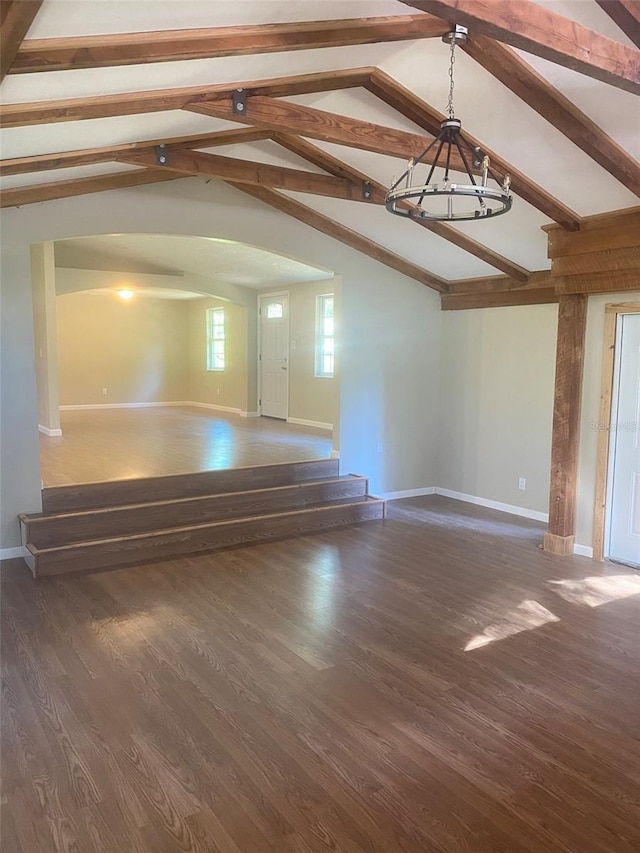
[572,317]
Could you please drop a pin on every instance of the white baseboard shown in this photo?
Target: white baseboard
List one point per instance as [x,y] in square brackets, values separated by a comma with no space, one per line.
[335,454]
[123,406]
[46,431]
[316,424]
[86,407]
[583,551]
[216,408]
[407,493]
[12,553]
[511,508]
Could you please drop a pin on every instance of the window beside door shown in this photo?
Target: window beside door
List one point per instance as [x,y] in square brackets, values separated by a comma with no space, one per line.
[215,339]
[325,342]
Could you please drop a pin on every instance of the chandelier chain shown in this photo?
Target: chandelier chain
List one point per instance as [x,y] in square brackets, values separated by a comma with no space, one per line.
[452,61]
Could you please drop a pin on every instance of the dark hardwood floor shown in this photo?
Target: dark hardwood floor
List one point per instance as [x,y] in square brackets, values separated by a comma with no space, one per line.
[432,682]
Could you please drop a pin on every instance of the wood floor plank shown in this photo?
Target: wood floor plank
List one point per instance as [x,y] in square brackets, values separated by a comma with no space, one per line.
[384,688]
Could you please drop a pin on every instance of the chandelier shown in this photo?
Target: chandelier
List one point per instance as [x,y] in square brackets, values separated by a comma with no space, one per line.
[447,199]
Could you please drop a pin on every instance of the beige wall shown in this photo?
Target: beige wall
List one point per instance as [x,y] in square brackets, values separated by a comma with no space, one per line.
[228,387]
[590,414]
[43,290]
[136,349]
[496,403]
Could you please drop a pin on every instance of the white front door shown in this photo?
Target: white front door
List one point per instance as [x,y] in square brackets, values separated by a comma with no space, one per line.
[274,356]
[623,500]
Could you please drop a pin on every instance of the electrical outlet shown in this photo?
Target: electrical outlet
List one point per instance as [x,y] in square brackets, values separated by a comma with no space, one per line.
[380,447]
[217,392]
[104,392]
[522,484]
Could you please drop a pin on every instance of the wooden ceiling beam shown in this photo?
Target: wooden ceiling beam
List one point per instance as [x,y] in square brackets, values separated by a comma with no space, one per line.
[159,100]
[91,156]
[543,32]
[283,116]
[525,82]
[330,164]
[259,174]
[501,283]
[425,116]
[341,233]
[626,14]
[103,51]
[16,16]
[498,299]
[18,196]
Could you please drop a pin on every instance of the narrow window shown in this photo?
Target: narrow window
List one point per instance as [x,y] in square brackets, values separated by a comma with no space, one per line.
[215,339]
[324,336]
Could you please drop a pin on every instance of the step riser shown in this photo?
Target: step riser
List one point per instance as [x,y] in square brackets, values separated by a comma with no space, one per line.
[158,546]
[53,531]
[121,492]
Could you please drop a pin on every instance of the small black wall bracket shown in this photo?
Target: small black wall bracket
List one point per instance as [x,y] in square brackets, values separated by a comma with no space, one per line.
[366,189]
[239,98]
[162,155]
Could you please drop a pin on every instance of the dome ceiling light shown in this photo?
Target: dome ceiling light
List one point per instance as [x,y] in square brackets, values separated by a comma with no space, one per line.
[446,199]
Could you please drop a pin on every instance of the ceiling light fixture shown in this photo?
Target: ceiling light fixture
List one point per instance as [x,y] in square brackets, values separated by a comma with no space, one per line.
[125,294]
[446,199]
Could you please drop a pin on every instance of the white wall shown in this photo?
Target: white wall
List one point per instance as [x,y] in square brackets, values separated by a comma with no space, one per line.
[390,323]
[497,381]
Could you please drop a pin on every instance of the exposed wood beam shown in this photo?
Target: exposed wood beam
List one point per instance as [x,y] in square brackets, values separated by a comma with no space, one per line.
[500,283]
[91,156]
[621,281]
[524,81]
[343,234]
[18,196]
[259,174]
[330,164]
[497,299]
[565,444]
[425,116]
[617,230]
[159,100]
[538,30]
[102,51]
[16,16]
[284,116]
[626,14]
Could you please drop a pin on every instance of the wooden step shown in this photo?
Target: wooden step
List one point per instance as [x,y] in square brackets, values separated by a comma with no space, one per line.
[59,499]
[48,531]
[156,545]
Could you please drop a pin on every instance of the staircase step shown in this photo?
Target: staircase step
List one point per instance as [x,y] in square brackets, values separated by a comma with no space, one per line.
[63,499]
[48,531]
[156,545]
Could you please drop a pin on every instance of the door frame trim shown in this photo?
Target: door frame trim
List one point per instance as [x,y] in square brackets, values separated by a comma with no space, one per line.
[268,295]
[611,314]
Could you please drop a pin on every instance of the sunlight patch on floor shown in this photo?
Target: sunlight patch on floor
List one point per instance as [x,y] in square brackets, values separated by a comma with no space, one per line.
[527,615]
[595,591]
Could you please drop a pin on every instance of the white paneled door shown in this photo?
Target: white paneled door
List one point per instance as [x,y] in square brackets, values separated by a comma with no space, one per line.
[623,503]
[274,356]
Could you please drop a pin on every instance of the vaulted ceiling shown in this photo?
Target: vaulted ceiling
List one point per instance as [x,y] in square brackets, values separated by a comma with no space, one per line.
[333,110]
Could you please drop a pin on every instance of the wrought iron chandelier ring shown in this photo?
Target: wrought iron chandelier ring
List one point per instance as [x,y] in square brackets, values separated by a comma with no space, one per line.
[406,197]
